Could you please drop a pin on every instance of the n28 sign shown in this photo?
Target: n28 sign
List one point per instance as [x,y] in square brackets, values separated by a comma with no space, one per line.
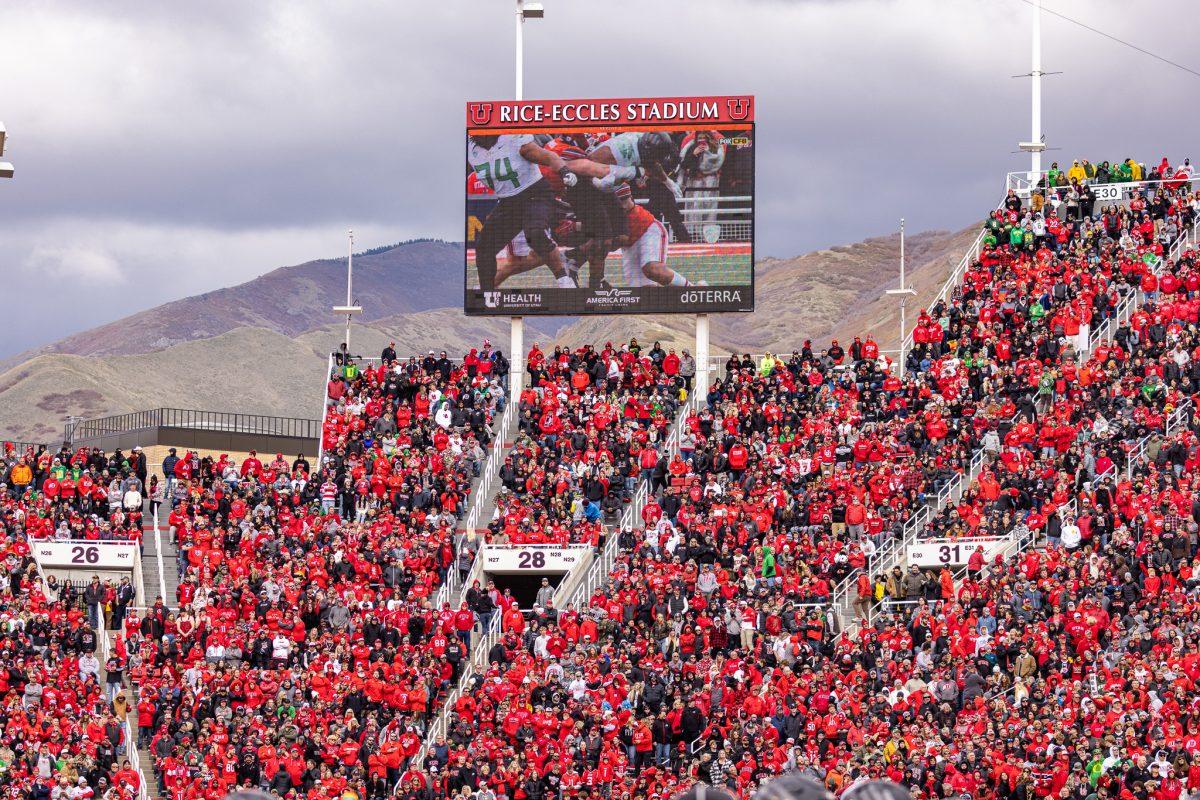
[954,552]
[86,554]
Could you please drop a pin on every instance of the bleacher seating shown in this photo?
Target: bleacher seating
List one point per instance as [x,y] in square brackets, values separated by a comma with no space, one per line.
[308,650]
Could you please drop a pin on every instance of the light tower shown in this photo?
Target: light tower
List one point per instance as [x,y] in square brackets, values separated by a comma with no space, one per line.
[1037,139]
[350,309]
[904,292]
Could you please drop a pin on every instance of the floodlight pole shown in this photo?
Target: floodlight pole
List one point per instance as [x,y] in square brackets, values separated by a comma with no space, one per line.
[349,283]
[1037,142]
[1035,156]
[350,309]
[903,293]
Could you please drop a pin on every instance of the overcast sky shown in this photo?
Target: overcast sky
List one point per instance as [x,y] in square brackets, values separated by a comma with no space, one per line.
[164,149]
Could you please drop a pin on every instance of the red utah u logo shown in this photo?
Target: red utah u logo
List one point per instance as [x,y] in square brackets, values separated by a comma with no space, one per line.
[481,113]
[739,107]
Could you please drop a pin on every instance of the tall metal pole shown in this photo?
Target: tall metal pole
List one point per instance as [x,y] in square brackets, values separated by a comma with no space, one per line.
[903,293]
[349,287]
[1035,154]
[516,354]
[903,299]
[520,50]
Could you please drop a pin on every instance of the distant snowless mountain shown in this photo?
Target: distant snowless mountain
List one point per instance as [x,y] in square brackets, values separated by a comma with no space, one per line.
[261,347]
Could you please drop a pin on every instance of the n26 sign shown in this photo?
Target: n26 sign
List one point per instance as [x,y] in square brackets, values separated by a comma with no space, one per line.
[81,554]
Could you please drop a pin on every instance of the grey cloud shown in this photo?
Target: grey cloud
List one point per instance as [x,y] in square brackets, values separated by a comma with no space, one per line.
[228,123]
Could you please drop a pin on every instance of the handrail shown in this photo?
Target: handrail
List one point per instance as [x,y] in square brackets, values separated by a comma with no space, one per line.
[602,565]
[476,662]
[1019,182]
[451,589]
[324,416]
[158,547]
[102,633]
[1133,299]
[135,759]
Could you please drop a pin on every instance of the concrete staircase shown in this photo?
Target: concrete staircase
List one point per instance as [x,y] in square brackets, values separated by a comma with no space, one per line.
[155,579]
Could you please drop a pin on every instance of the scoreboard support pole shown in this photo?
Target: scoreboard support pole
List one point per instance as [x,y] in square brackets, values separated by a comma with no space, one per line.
[701,355]
[516,357]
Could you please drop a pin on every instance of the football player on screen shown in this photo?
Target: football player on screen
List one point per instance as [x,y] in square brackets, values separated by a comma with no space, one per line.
[644,247]
[654,155]
[508,165]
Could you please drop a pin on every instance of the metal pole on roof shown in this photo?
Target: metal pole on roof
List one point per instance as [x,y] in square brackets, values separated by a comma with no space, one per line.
[350,309]
[903,293]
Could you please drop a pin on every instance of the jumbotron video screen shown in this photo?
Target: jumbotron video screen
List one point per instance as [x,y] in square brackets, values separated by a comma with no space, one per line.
[629,206]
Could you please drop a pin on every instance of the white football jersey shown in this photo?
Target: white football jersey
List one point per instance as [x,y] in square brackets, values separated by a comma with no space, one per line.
[501,167]
[624,149]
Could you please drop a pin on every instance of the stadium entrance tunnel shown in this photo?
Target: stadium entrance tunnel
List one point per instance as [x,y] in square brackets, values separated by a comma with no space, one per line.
[524,585]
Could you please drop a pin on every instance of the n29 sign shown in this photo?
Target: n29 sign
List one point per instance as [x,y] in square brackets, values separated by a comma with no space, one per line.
[86,554]
[954,552]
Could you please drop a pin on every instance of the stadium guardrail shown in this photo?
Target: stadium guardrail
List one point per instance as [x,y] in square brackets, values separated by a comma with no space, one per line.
[604,561]
[596,575]
[451,588]
[193,419]
[1134,298]
[1111,192]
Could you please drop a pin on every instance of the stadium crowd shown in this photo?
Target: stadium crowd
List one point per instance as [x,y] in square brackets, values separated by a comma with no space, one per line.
[62,708]
[304,654]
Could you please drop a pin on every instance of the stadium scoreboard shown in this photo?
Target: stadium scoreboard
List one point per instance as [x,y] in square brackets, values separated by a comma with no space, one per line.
[617,206]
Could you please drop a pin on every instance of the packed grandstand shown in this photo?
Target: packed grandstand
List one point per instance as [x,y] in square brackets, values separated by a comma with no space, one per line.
[748,610]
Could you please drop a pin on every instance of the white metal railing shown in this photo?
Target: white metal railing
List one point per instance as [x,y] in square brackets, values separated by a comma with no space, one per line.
[892,552]
[135,759]
[451,589]
[324,415]
[102,633]
[476,663]
[1111,192]
[597,573]
[158,554]
[1133,299]
[602,564]
[953,280]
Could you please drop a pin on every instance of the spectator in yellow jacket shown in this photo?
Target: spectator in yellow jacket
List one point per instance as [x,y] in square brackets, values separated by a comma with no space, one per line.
[20,476]
[1076,174]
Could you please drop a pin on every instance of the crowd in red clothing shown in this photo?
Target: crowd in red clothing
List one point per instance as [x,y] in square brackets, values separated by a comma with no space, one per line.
[701,660]
[305,655]
[62,709]
[591,424]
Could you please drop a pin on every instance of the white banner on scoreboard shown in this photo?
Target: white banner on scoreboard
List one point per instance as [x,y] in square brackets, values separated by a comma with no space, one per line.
[84,555]
[955,552]
[500,558]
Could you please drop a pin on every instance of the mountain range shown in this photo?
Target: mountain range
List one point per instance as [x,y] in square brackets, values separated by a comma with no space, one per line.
[261,347]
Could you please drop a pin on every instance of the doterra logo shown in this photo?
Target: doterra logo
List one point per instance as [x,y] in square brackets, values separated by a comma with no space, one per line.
[711,296]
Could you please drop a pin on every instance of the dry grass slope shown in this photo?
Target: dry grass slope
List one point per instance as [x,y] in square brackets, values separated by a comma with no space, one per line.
[254,354]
